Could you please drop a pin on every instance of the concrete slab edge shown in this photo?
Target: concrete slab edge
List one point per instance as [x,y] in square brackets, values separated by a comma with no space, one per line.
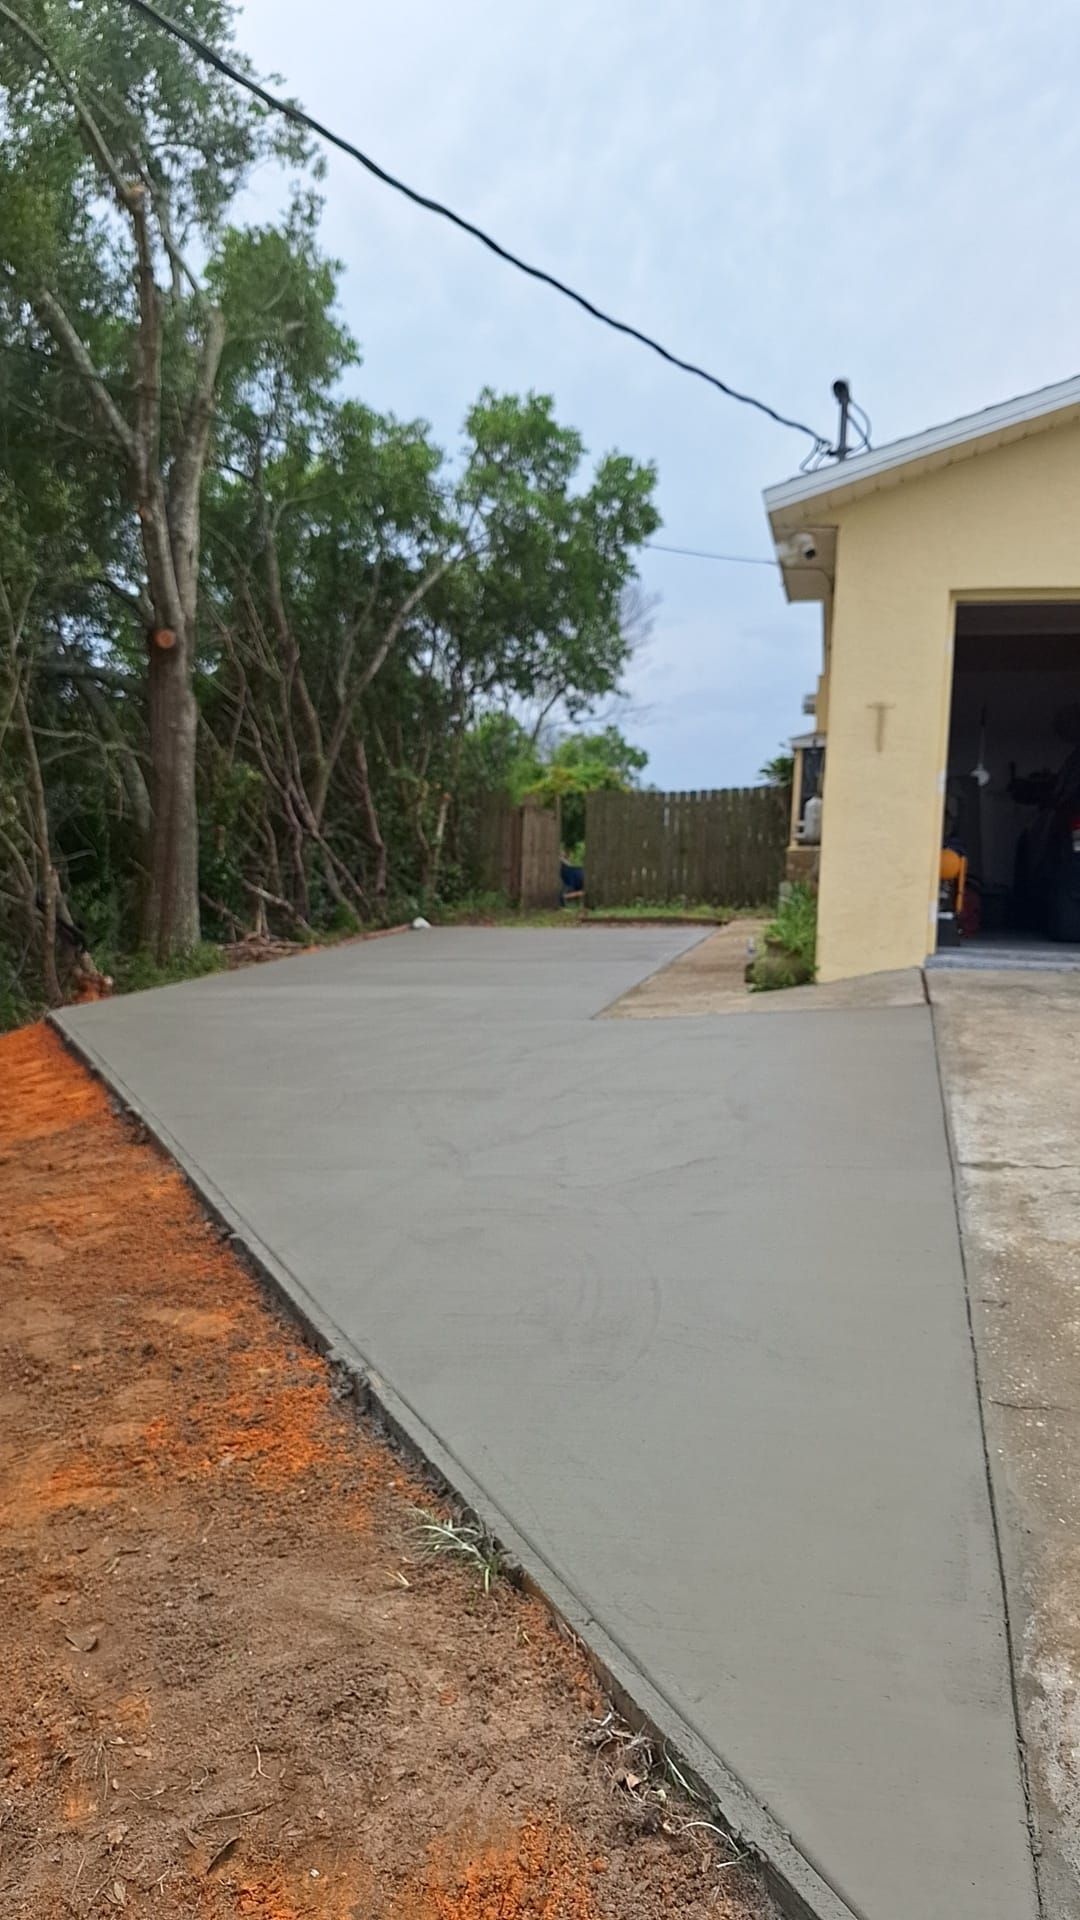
[794,1881]
[1009,1573]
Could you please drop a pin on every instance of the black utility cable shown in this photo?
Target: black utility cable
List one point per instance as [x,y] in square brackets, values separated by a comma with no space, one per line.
[301,119]
[699,553]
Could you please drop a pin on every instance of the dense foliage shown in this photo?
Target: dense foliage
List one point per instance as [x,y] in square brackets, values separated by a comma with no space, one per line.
[260,644]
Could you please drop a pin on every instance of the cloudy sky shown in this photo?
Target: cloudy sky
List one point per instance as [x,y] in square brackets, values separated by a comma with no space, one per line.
[782,193]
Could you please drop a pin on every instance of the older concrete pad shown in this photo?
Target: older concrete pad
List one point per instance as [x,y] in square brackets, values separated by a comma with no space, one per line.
[1010,1059]
[685,1299]
[710,978]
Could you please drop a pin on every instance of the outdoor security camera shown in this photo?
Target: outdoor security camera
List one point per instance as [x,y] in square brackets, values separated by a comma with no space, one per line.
[808,549]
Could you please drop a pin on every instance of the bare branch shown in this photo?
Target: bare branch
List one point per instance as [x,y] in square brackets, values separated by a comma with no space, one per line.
[63,668]
[131,771]
[148,349]
[47,879]
[277,900]
[105,406]
[408,605]
[138,601]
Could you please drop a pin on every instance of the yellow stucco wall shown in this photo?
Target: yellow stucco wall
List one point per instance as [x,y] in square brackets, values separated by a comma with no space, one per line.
[1003,524]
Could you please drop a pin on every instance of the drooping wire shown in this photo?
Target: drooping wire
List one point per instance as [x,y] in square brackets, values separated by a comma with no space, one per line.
[699,553]
[817,456]
[744,560]
[299,118]
[866,429]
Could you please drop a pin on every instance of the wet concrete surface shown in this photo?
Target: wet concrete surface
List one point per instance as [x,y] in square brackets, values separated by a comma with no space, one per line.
[1010,1057]
[685,1299]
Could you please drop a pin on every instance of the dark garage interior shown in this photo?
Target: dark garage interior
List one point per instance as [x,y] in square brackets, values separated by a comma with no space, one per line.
[1012,802]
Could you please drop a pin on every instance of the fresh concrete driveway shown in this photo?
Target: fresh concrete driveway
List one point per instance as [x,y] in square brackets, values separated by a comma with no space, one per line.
[684,1300]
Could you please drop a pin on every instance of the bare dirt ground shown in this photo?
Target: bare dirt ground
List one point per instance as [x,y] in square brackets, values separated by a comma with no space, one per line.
[231,1687]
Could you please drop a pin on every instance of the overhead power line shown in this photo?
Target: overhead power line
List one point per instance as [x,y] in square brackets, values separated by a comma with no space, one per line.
[740,559]
[299,118]
[698,553]
[128,388]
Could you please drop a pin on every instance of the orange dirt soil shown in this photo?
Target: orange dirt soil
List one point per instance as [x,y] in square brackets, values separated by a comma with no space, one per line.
[231,1690]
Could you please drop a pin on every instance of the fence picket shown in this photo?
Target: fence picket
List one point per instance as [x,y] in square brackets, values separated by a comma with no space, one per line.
[724,847]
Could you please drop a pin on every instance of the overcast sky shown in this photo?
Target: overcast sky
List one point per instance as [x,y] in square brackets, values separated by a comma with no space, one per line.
[782,193]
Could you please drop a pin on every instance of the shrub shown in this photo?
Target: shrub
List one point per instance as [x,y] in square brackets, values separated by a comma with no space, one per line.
[135,972]
[790,956]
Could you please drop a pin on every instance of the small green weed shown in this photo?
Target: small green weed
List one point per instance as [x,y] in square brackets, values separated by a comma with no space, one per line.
[434,1535]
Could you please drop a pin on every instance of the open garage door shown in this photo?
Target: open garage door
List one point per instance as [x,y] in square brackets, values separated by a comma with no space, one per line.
[1012,801]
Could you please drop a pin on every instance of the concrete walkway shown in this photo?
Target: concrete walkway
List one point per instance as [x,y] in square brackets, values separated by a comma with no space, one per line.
[1010,1057]
[683,1301]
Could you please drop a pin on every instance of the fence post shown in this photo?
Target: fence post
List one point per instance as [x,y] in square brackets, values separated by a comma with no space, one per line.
[539,855]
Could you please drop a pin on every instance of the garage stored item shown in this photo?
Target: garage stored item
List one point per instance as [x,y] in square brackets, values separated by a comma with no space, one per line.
[980,773]
[953,875]
[1047,872]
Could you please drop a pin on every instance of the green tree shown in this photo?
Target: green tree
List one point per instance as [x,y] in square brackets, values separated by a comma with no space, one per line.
[585,763]
[500,756]
[119,157]
[260,643]
[404,600]
[780,770]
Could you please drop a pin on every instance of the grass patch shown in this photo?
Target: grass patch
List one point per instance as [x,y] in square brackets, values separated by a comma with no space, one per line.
[677,910]
[495,910]
[790,956]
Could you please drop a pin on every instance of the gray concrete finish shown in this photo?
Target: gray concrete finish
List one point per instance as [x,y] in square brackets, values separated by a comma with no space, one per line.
[1010,1058]
[685,1298]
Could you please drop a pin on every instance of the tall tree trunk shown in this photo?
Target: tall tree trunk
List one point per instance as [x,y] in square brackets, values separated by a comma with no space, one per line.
[375,834]
[171,918]
[169,531]
[168,518]
[434,859]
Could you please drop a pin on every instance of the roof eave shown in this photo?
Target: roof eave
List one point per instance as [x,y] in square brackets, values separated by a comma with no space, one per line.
[812,497]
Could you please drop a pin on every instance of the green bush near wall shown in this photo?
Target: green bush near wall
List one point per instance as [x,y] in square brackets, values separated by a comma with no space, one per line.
[790,956]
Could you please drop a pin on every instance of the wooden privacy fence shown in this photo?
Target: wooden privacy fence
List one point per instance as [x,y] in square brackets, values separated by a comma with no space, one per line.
[725,847]
[517,852]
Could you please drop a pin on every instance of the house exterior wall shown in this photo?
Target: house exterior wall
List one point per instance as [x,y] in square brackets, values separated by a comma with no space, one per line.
[1003,525]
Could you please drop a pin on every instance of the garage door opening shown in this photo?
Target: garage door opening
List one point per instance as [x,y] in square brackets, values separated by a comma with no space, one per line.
[1012,799]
